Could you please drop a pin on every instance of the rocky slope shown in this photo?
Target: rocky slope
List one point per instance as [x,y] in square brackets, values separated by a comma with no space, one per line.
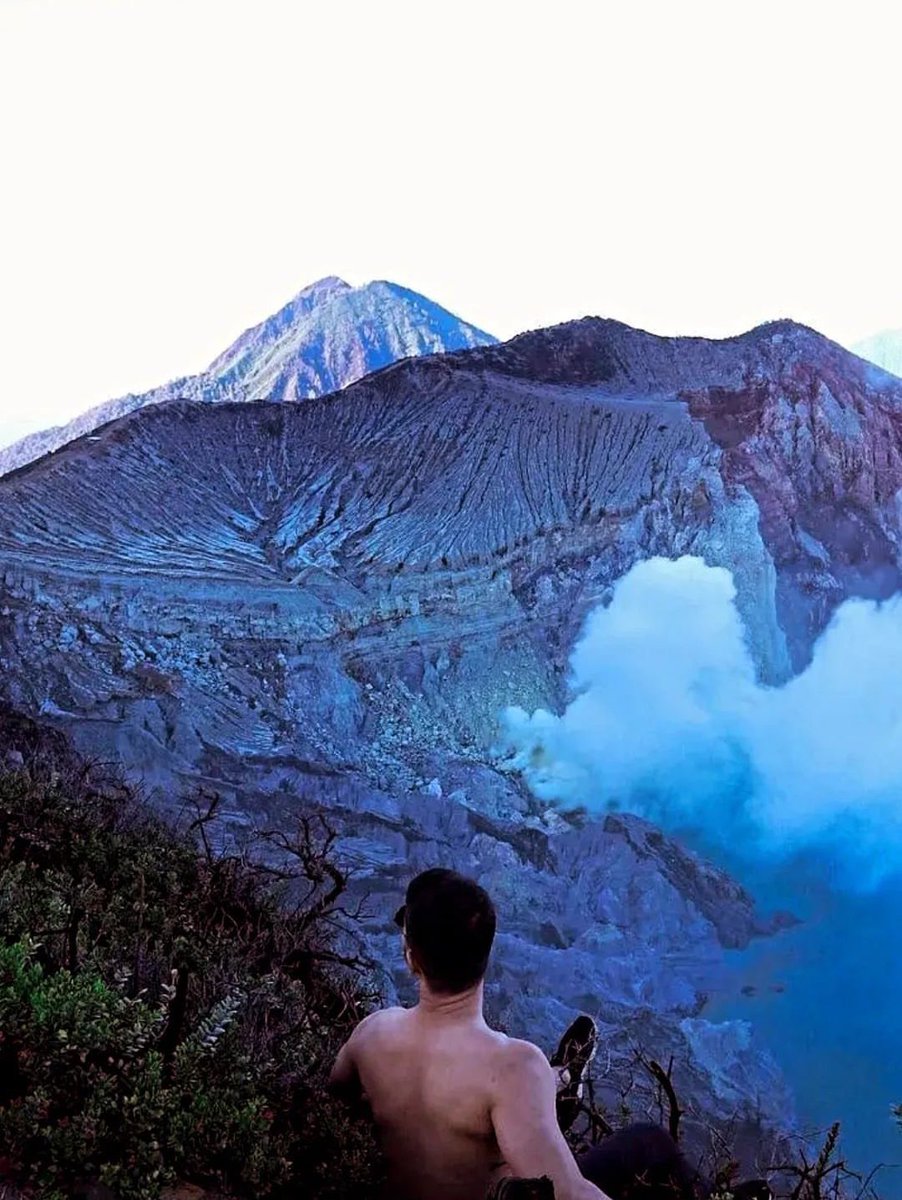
[328,336]
[333,601]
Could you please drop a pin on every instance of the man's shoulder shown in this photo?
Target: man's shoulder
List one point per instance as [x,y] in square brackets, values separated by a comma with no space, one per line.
[520,1070]
[523,1060]
[380,1020]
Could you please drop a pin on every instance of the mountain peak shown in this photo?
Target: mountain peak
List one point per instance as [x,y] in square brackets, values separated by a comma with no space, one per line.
[320,291]
[327,336]
[329,281]
[332,334]
[611,355]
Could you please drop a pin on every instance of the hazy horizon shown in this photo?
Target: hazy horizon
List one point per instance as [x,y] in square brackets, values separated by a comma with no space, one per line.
[13,428]
[176,172]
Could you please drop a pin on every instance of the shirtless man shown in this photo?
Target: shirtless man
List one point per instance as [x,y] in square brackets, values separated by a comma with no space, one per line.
[457,1104]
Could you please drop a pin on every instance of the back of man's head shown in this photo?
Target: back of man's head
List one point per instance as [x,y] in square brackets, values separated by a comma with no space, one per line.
[449,923]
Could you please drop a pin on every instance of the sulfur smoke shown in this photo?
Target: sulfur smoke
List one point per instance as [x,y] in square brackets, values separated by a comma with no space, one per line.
[668,720]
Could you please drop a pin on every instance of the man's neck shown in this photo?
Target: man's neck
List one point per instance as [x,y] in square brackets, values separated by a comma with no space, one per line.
[462,1006]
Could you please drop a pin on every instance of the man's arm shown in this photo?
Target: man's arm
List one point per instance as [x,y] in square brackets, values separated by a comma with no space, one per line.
[344,1078]
[526,1127]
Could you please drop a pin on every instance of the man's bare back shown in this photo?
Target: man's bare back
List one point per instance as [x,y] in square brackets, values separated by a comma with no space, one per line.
[454,1100]
[429,1085]
[456,1104]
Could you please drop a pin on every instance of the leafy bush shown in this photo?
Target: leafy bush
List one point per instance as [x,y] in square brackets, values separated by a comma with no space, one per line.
[93,1098]
[168,1013]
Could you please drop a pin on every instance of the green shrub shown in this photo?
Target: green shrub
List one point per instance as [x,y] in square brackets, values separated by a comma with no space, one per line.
[94,1099]
[168,1013]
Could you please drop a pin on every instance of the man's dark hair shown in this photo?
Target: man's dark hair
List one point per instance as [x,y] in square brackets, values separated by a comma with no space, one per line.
[449,922]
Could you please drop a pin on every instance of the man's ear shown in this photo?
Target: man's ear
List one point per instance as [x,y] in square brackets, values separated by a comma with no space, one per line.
[410,959]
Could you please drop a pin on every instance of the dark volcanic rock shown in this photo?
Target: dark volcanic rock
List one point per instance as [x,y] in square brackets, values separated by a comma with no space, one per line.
[332,602]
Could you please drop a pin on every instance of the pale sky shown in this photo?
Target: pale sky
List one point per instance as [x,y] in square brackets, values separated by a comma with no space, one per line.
[172,171]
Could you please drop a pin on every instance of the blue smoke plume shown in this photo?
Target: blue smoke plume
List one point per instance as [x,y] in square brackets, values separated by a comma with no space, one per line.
[669,720]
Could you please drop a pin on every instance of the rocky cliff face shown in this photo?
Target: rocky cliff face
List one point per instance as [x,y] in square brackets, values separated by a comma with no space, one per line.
[328,336]
[333,601]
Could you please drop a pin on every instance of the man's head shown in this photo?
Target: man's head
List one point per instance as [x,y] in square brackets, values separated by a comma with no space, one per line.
[449,924]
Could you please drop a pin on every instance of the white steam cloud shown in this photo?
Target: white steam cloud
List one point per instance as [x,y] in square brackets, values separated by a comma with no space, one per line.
[668,720]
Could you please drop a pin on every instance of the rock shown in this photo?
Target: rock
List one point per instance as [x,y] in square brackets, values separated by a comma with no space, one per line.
[184,1191]
[68,637]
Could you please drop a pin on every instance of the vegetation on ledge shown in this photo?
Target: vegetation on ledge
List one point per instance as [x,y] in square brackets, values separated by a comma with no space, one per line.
[166,1013]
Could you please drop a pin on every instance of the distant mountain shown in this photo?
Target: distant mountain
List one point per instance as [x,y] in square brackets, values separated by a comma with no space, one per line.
[883,349]
[329,335]
[554,461]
